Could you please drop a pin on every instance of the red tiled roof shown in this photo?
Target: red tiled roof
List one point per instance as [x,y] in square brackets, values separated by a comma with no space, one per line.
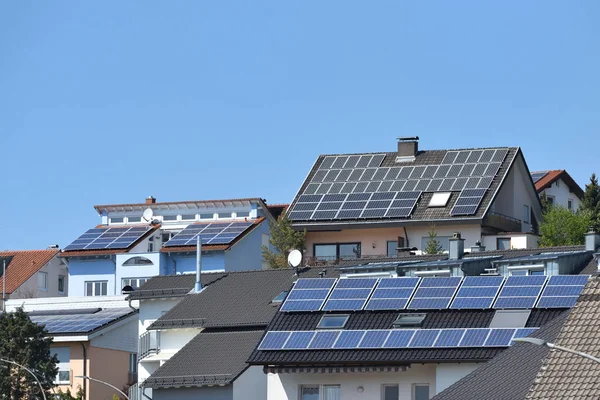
[552,176]
[23,265]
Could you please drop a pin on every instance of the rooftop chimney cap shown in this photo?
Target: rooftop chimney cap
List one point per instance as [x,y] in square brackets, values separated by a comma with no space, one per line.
[456,235]
[408,138]
[150,200]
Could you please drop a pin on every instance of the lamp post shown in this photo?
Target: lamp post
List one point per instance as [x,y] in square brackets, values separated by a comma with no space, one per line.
[541,342]
[28,370]
[104,383]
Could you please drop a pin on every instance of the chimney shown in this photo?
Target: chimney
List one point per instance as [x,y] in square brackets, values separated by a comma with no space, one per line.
[478,248]
[408,147]
[198,286]
[150,200]
[592,240]
[457,247]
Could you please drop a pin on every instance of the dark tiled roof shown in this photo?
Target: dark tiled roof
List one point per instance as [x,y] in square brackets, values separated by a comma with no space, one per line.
[208,359]
[509,375]
[172,285]
[422,212]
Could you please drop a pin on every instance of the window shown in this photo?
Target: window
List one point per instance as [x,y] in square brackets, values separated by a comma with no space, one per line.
[61,284]
[331,392]
[522,272]
[337,251]
[138,261]
[63,377]
[570,205]
[550,200]
[242,214]
[42,280]
[207,216]
[406,319]
[170,218]
[444,242]
[224,215]
[526,213]
[133,282]
[420,391]
[134,219]
[439,199]
[316,392]
[309,392]
[536,272]
[150,244]
[96,288]
[502,243]
[280,297]
[166,236]
[333,321]
[390,392]
[188,217]
[392,247]
[117,220]
[325,251]
[133,363]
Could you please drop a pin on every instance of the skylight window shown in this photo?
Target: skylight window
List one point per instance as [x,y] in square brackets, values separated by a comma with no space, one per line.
[280,297]
[409,319]
[439,199]
[333,321]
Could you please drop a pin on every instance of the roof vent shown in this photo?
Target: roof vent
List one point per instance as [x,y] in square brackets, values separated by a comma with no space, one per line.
[478,248]
[150,200]
[408,147]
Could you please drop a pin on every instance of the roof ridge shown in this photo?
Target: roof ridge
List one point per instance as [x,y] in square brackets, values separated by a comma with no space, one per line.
[421,151]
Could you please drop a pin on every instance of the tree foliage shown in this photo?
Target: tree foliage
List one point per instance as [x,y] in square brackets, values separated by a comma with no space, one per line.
[562,227]
[283,239]
[591,202]
[433,245]
[25,343]
[60,395]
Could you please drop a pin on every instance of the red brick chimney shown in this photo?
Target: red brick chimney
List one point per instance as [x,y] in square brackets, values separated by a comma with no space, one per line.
[150,200]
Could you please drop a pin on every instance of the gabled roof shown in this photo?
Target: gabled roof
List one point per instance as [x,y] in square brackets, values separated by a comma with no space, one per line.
[421,211]
[552,176]
[207,360]
[172,286]
[22,264]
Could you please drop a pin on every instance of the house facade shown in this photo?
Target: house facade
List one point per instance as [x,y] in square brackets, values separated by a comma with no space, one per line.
[33,274]
[135,242]
[559,188]
[364,205]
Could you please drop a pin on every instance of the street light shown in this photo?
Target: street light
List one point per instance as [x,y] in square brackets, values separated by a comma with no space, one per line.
[28,370]
[541,342]
[104,383]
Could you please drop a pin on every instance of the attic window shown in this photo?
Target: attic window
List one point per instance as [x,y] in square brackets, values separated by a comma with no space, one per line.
[406,320]
[439,199]
[333,321]
[280,297]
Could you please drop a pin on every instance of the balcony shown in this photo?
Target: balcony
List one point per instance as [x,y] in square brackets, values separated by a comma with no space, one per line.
[501,223]
[149,344]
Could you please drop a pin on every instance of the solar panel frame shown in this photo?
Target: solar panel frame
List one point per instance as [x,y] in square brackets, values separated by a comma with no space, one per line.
[350,294]
[562,291]
[530,288]
[439,297]
[468,295]
[102,238]
[397,302]
[291,304]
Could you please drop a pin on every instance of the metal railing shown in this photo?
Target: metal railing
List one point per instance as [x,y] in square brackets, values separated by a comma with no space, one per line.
[149,344]
[502,222]
[134,392]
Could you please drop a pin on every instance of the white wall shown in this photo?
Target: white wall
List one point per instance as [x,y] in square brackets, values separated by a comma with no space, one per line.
[151,310]
[562,194]
[64,303]
[285,386]
[448,374]
[123,337]
[172,340]
[30,289]
[517,241]
[251,385]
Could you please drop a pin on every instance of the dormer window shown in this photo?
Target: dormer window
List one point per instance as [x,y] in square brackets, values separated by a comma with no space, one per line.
[333,321]
[406,320]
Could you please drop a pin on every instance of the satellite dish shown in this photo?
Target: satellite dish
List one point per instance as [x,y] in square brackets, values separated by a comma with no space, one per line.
[295,258]
[148,214]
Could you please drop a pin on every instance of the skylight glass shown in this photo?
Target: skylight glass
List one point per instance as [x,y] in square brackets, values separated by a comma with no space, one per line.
[439,199]
[333,321]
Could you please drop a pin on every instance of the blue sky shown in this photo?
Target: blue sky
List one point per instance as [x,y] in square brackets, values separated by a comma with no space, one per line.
[109,102]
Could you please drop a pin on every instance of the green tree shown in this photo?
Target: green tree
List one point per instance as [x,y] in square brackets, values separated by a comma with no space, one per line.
[561,227]
[546,204]
[25,343]
[283,239]
[433,245]
[591,202]
[68,396]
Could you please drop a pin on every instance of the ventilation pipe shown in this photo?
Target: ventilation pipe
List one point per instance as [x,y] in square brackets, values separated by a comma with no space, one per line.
[478,248]
[198,286]
[457,247]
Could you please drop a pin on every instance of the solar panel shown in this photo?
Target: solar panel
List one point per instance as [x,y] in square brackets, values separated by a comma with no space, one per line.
[424,338]
[520,291]
[468,202]
[523,332]
[449,338]
[349,339]
[477,292]
[536,176]
[213,233]
[392,293]
[324,339]
[399,338]
[350,294]
[274,340]
[562,291]
[308,294]
[374,339]
[108,238]
[474,337]
[299,340]
[83,322]
[499,337]
[434,293]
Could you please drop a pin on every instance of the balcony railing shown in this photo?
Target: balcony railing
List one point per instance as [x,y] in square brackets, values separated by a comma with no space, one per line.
[149,344]
[331,261]
[502,222]
[135,392]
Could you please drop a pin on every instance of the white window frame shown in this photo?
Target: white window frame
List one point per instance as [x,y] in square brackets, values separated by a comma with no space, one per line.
[526,268]
[320,387]
[64,283]
[42,275]
[128,281]
[93,294]
[63,366]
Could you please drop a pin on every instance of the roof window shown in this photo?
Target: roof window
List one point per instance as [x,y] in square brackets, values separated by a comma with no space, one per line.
[409,319]
[333,321]
[439,199]
[280,297]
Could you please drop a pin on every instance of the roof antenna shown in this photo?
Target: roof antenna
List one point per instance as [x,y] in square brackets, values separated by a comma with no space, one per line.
[294,259]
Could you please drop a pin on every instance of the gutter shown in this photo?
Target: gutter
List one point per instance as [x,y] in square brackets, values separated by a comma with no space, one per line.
[84,388]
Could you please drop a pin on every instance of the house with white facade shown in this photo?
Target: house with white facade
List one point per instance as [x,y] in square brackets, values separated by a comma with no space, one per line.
[559,188]
[32,274]
[135,242]
[91,337]
[372,204]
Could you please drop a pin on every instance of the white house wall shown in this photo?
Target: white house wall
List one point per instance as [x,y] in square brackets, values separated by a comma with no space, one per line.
[151,310]
[251,385]
[124,338]
[29,289]
[562,194]
[172,340]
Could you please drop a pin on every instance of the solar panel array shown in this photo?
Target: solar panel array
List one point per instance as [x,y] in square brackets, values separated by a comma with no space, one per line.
[358,186]
[562,291]
[214,233]
[414,293]
[536,176]
[79,322]
[392,338]
[468,202]
[108,238]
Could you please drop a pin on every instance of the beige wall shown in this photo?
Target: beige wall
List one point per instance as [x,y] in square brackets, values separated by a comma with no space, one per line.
[29,288]
[76,364]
